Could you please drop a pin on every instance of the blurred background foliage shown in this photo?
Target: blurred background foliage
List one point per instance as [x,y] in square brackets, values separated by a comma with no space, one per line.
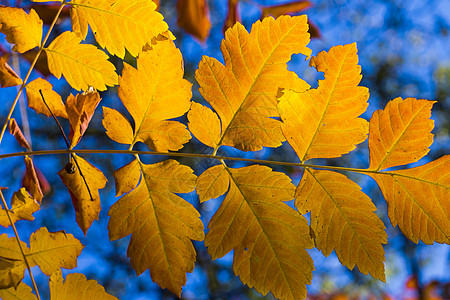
[404,52]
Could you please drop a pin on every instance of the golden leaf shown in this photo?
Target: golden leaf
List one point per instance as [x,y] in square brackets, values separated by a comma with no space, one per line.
[86,201]
[23,292]
[343,219]
[22,208]
[161,223]
[11,273]
[153,93]
[204,124]
[15,130]
[418,200]
[118,24]
[82,65]
[127,177]
[323,122]
[22,29]
[9,248]
[76,287]
[52,98]
[268,237]
[243,92]
[8,77]
[193,16]
[53,250]
[80,109]
[401,133]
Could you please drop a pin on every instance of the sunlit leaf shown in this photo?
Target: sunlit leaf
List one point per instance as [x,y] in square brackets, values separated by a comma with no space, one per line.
[343,220]
[86,201]
[268,237]
[204,125]
[401,133]
[15,130]
[76,287]
[193,16]
[23,292]
[161,223]
[118,24]
[80,109]
[82,65]
[8,77]
[418,200]
[11,273]
[52,98]
[9,248]
[53,250]
[22,29]
[127,177]
[153,93]
[243,92]
[324,122]
[22,208]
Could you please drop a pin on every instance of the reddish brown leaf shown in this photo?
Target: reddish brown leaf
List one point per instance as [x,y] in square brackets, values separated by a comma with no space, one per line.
[14,129]
[80,109]
[47,12]
[41,64]
[31,181]
[193,16]
[7,75]
[285,9]
[86,208]
[233,14]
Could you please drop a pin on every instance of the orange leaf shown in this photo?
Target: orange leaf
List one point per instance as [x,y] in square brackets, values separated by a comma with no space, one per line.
[243,92]
[127,177]
[8,77]
[52,98]
[232,15]
[324,122]
[343,220]
[193,16]
[31,180]
[268,237]
[418,200]
[14,129]
[80,109]
[86,202]
[161,223]
[152,93]
[283,9]
[401,133]
[22,29]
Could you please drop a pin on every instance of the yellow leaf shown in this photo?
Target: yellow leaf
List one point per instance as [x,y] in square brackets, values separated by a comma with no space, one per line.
[82,65]
[343,219]
[118,24]
[53,250]
[243,92]
[47,1]
[153,93]
[161,223]
[204,125]
[15,130]
[401,133]
[22,208]
[23,292]
[323,122]
[76,287]
[212,183]
[9,248]
[8,77]
[127,177]
[22,29]
[268,237]
[117,126]
[86,201]
[193,16]
[80,109]
[52,98]
[418,200]
[11,273]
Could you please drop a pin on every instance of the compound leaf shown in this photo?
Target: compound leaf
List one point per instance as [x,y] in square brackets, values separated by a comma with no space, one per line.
[153,93]
[343,220]
[323,122]
[22,29]
[268,237]
[82,65]
[118,24]
[161,223]
[243,91]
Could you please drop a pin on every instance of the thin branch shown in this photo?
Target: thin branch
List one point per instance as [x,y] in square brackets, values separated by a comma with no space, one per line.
[20,245]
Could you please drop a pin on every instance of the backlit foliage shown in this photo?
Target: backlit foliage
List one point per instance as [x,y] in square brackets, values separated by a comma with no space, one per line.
[252,101]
